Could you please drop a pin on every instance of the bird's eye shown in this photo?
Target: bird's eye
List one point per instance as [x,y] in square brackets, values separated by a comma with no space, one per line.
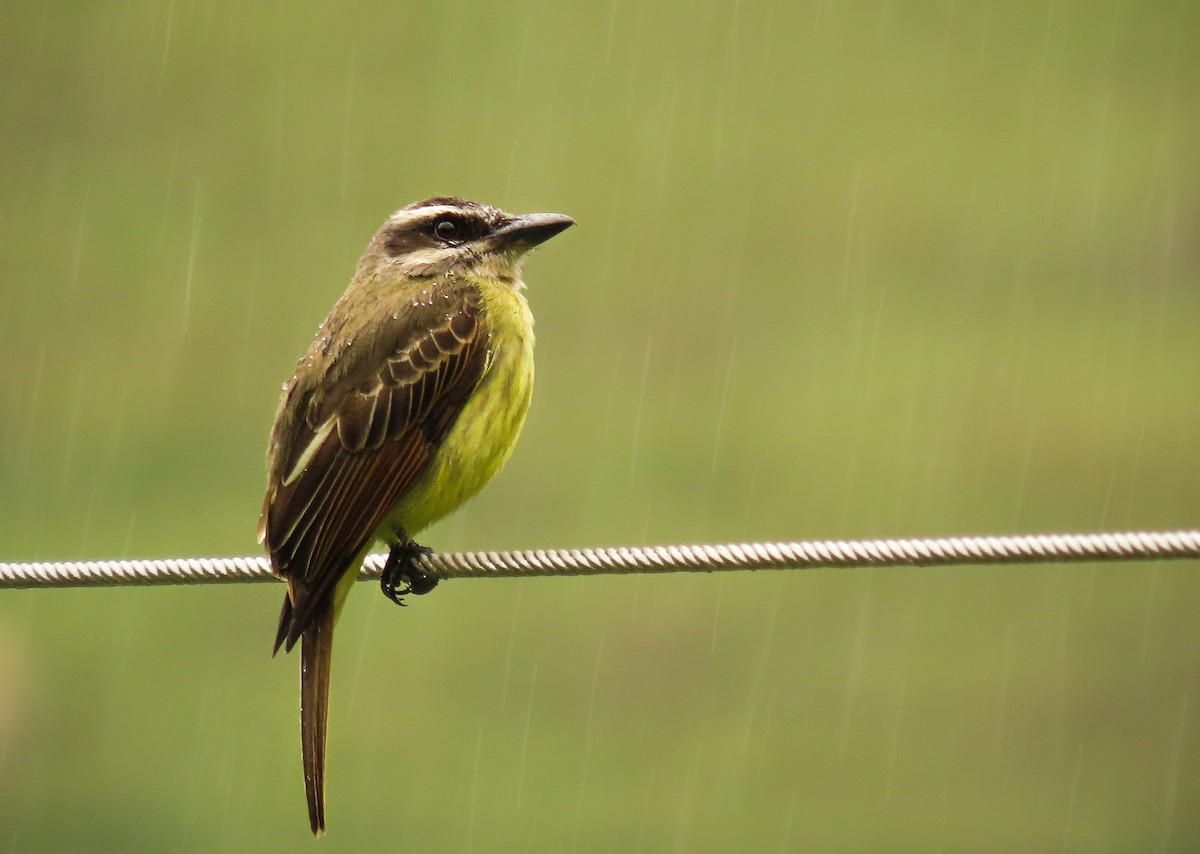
[445,229]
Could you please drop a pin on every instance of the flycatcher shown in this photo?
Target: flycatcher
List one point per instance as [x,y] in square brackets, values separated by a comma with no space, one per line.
[410,398]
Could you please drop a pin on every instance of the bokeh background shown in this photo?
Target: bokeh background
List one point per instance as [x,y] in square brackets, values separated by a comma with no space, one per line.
[841,270]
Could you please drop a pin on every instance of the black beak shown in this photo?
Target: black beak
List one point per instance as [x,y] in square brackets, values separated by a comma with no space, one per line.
[531,229]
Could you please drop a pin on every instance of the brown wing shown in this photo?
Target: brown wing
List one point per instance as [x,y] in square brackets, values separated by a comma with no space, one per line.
[352,456]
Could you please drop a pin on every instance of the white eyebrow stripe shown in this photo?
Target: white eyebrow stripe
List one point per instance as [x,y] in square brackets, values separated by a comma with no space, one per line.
[427,214]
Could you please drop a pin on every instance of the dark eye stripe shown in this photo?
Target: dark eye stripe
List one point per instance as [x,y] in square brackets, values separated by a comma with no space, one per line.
[457,229]
[443,228]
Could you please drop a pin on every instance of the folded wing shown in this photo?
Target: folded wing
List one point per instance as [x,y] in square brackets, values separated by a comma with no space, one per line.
[354,453]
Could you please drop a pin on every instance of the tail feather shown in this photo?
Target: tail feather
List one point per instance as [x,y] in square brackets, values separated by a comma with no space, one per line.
[285,625]
[315,659]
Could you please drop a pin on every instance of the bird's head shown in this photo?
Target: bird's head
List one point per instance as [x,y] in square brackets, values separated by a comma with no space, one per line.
[445,235]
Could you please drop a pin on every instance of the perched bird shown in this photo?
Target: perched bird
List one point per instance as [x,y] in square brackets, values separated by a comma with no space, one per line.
[410,398]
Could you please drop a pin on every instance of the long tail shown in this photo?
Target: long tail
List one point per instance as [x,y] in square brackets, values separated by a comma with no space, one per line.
[316,655]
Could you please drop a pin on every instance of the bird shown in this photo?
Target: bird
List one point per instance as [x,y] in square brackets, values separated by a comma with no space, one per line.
[409,399]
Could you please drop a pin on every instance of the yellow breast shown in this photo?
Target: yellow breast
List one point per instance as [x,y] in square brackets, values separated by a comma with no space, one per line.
[486,430]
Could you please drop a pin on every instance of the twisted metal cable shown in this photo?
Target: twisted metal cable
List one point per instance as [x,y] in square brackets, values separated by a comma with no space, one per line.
[970,551]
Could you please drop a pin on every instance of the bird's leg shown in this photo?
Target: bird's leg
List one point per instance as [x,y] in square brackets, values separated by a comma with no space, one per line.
[401,574]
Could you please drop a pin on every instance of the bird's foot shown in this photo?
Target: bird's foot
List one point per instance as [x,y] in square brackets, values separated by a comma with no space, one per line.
[402,576]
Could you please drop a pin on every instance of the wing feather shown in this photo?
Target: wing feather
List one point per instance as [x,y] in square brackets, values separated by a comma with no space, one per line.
[350,465]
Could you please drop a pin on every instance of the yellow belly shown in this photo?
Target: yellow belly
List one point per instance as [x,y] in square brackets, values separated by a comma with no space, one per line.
[486,431]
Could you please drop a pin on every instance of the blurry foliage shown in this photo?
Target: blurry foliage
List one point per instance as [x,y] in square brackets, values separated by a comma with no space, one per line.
[840,270]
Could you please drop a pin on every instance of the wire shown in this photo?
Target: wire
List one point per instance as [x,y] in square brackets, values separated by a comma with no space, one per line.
[970,551]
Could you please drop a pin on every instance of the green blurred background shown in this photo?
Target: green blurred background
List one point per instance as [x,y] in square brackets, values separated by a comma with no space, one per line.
[841,270]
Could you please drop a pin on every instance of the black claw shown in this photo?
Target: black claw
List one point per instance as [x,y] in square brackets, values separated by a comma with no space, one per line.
[401,575]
